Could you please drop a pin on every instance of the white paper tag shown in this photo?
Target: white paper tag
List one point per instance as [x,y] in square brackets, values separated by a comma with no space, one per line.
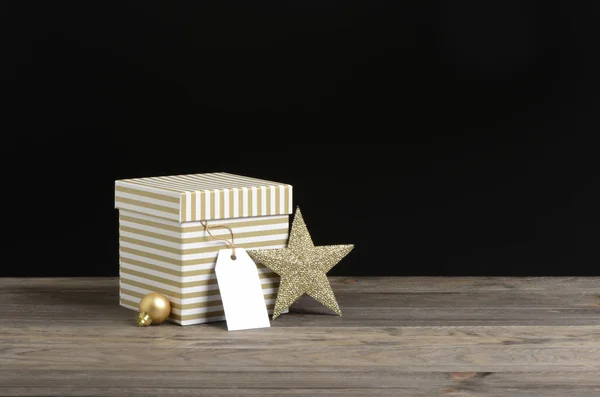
[241,291]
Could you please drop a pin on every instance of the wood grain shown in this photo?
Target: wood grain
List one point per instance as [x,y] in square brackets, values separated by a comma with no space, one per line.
[397,337]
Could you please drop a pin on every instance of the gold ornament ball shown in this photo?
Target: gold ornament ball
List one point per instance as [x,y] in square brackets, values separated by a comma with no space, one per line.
[154,309]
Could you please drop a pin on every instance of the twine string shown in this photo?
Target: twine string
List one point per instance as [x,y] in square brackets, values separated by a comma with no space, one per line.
[231,243]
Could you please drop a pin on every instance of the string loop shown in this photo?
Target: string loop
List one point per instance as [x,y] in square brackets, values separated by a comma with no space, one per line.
[231,243]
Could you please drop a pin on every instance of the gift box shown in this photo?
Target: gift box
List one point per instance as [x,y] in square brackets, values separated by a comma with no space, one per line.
[164,247]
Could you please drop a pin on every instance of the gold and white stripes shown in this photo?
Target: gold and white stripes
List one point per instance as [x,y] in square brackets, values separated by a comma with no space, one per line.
[178,259]
[190,198]
[163,246]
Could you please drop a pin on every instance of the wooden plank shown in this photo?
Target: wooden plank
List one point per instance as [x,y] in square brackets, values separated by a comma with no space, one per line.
[359,285]
[213,336]
[415,302]
[509,384]
[238,358]
[398,337]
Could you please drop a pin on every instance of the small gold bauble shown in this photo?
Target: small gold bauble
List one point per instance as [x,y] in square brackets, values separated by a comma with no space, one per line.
[154,309]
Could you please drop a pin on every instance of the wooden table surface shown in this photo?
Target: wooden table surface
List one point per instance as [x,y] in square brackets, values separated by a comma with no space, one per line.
[398,337]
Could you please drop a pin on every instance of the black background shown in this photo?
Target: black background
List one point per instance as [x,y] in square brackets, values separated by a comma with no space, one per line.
[488,108]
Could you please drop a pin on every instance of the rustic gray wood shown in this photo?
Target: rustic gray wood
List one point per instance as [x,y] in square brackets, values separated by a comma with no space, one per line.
[397,337]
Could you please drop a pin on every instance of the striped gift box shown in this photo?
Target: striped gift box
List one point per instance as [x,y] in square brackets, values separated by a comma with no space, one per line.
[163,246]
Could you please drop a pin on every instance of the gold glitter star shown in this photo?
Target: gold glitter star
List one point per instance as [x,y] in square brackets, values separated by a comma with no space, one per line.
[302,267]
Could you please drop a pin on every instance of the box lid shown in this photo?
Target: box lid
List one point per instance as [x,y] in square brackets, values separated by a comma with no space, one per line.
[198,197]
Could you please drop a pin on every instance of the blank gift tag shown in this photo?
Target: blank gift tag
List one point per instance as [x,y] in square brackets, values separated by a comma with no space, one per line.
[241,291]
